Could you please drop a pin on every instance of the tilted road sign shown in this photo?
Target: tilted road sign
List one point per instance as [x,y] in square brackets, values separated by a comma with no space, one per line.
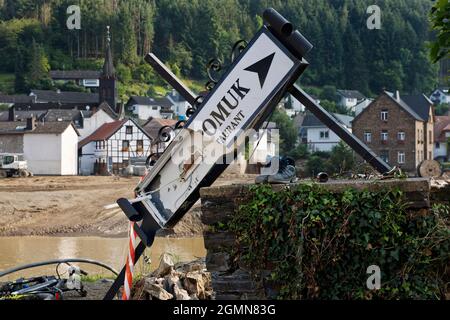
[243,99]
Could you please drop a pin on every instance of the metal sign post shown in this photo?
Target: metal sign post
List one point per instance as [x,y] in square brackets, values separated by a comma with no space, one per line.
[243,99]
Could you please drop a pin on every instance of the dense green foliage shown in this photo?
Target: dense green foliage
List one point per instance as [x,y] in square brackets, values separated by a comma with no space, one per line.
[318,244]
[440,19]
[187,33]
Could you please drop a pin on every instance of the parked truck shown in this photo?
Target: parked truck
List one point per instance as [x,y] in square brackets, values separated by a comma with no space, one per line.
[13,165]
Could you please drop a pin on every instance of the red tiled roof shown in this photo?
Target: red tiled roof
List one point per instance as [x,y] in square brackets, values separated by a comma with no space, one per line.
[103,133]
[441,124]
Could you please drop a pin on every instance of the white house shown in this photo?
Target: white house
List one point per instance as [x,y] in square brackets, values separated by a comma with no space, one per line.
[146,107]
[85,78]
[318,136]
[349,98]
[110,148]
[94,119]
[180,105]
[441,138]
[49,148]
[441,95]
[296,106]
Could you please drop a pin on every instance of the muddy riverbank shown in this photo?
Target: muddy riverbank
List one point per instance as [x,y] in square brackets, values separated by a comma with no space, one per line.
[60,206]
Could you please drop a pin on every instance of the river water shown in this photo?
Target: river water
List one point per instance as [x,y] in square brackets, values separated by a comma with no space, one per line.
[15,251]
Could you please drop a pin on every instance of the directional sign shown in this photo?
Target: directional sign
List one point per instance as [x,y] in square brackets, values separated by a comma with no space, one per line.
[236,104]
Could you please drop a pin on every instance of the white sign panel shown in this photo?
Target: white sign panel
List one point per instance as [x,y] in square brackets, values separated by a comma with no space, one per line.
[240,98]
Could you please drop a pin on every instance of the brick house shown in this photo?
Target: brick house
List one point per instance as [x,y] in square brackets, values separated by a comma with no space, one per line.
[398,129]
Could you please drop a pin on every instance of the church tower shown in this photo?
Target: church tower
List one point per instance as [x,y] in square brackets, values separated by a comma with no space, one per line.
[108,86]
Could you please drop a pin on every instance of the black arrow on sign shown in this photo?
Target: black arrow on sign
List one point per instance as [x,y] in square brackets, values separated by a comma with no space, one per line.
[262,68]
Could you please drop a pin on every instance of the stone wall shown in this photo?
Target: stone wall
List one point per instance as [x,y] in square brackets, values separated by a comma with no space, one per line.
[232,280]
[11,143]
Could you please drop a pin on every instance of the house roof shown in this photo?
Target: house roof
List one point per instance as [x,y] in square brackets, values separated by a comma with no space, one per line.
[441,125]
[74,74]
[352,94]
[61,115]
[311,121]
[21,98]
[66,96]
[16,127]
[12,127]
[107,108]
[153,125]
[54,127]
[404,105]
[52,105]
[23,115]
[148,101]
[420,104]
[103,133]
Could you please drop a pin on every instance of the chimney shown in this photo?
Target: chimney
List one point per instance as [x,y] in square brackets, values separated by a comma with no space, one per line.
[11,114]
[31,123]
[397,95]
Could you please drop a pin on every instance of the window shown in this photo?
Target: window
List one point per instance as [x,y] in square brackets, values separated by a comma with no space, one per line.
[384,135]
[8,160]
[154,108]
[438,145]
[401,136]
[429,137]
[99,145]
[140,145]
[125,145]
[324,134]
[384,155]
[384,115]
[368,137]
[129,130]
[401,157]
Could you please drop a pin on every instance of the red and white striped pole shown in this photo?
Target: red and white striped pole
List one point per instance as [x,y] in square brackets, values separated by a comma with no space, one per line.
[128,283]
[132,244]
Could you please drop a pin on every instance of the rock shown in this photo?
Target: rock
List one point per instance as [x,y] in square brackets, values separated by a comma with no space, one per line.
[172,280]
[156,290]
[195,284]
[197,265]
[218,261]
[165,265]
[180,294]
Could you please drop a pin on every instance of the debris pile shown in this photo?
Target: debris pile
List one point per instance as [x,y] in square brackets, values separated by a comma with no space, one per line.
[170,281]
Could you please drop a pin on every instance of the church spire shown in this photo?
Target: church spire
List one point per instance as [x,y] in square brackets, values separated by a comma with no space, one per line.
[108,66]
[108,86]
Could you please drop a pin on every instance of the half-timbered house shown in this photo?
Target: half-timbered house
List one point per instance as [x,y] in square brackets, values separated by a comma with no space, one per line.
[109,149]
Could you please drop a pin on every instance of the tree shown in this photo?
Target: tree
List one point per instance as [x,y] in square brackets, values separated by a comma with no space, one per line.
[341,159]
[19,72]
[440,22]
[38,68]
[288,132]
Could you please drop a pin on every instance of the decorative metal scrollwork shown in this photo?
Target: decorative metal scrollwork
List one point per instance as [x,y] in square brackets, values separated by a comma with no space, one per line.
[164,133]
[237,49]
[180,124]
[214,66]
[198,101]
[151,159]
